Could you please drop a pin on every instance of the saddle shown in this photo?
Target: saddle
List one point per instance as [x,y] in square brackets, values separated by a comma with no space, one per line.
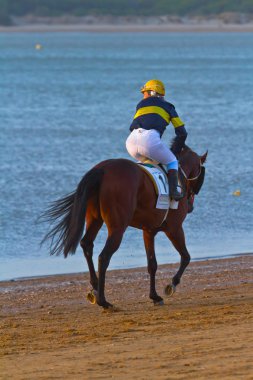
[158,175]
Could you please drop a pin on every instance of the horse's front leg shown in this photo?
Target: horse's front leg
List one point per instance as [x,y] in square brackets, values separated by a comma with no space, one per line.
[178,240]
[149,242]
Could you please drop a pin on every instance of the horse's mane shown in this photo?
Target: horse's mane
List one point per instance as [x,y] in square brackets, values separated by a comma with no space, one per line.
[173,146]
[186,149]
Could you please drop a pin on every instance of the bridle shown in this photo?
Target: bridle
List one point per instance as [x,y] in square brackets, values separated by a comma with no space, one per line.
[191,192]
[193,178]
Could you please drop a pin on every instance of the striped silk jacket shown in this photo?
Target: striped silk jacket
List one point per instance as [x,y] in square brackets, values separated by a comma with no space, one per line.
[156,113]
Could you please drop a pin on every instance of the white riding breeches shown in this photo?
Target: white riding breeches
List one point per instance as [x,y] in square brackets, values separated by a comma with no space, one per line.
[142,144]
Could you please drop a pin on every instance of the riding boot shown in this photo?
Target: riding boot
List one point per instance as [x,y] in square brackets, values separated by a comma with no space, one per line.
[173,184]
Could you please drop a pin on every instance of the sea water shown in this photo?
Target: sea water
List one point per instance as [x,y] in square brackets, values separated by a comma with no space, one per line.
[69,105]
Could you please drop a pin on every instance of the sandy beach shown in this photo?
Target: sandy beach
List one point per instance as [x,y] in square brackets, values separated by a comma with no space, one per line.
[130,28]
[50,331]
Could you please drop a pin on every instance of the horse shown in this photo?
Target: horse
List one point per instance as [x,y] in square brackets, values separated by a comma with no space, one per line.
[119,193]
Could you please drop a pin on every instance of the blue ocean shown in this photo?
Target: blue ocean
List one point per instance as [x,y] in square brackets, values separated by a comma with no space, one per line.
[69,105]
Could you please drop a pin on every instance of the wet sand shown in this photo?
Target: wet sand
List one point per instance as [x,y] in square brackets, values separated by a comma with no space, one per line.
[50,331]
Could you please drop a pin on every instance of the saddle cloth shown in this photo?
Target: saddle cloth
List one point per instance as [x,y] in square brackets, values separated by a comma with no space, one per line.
[160,182]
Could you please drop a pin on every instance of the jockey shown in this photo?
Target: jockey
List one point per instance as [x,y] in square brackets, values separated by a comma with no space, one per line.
[153,114]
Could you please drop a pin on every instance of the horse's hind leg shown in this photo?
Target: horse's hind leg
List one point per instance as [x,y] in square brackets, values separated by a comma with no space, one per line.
[178,240]
[92,228]
[149,241]
[112,244]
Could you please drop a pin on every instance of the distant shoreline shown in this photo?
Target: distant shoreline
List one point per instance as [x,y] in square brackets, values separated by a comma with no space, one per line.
[130,28]
[224,22]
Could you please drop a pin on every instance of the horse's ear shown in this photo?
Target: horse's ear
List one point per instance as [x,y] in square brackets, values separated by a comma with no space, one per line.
[204,157]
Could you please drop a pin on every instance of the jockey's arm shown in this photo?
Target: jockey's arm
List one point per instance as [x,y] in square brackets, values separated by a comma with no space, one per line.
[180,132]
[181,135]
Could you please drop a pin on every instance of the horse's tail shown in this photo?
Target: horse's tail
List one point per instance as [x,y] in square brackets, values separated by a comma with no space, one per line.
[70,213]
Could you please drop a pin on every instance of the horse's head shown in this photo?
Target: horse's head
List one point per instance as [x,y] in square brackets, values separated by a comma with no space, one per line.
[193,170]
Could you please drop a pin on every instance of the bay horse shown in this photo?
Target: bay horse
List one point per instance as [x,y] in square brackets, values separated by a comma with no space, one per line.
[119,193]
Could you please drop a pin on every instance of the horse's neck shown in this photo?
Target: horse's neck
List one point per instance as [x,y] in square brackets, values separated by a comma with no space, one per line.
[186,169]
[186,161]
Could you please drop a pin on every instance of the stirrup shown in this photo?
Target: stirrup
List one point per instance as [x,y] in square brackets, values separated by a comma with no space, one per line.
[177,197]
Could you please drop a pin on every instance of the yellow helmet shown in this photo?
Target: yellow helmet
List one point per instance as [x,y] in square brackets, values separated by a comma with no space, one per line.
[154,85]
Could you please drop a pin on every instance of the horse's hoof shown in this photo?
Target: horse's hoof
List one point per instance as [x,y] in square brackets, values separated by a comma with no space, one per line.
[91,297]
[108,307]
[169,290]
[159,303]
